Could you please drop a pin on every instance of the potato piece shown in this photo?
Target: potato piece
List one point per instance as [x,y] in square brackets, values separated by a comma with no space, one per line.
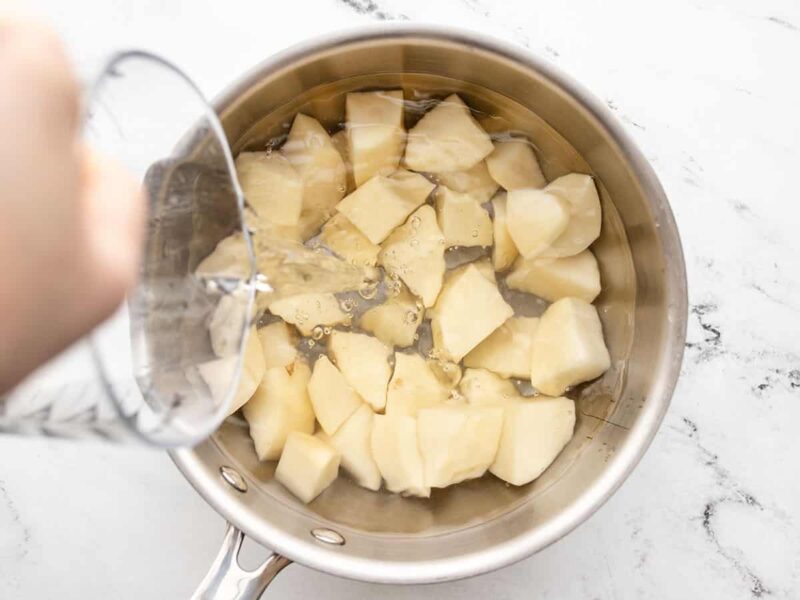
[447,139]
[376,132]
[218,374]
[279,406]
[505,250]
[396,452]
[481,387]
[228,259]
[462,220]
[554,278]
[315,158]
[331,396]
[307,466]
[475,181]
[413,386]
[384,202]
[395,322]
[353,441]
[535,430]
[458,442]
[342,144]
[507,351]
[306,311]
[513,165]
[534,220]
[568,347]
[364,362]
[278,343]
[580,193]
[415,252]
[272,187]
[469,309]
[345,239]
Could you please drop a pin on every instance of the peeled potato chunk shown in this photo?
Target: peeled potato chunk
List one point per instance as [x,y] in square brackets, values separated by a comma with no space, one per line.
[513,165]
[535,219]
[384,202]
[394,322]
[504,252]
[331,396]
[345,239]
[415,252]
[413,386]
[364,362]
[396,452]
[469,309]
[458,442]
[353,441]
[475,181]
[580,193]
[314,156]
[484,266]
[279,406]
[535,430]
[307,466]
[507,351]
[481,387]
[342,144]
[568,347]
[554,278]
[306,311]
[376,133]
[271,185]
[462,220]
[447,139]
[278,343]
[228,259]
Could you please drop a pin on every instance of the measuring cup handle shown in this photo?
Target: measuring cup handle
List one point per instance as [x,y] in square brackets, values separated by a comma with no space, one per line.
[227,580]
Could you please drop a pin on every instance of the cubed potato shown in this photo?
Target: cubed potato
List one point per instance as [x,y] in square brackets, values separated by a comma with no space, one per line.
[462,220]
[513,165]
[384,202]
[568,347]
[353,441]
[580,194]
[468,311]
[279,406]
[376,132]
[345,239]
[484,267]
[396,452]
[535,430]
[535,219]
[364,362]
[475,181]
[279,344]
[228,259]
[507,351]
[553,278]
[447,139]
[505,250]
[306,311]
[395,322]
[481,387]
[314,156]
[271,186]
[342,143]
[415,252]
[307,466]
[413,386]
[219,374]
[458,442]
[332,398]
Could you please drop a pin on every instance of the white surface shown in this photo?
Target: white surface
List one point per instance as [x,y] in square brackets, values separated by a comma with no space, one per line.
[709,91]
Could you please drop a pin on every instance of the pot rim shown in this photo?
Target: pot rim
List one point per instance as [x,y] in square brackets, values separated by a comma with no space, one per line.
[627,455]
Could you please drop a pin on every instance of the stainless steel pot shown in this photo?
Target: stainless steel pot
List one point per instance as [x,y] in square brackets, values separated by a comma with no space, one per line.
[484,524]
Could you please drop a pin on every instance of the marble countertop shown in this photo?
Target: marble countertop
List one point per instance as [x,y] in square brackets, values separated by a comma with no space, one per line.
[709,91]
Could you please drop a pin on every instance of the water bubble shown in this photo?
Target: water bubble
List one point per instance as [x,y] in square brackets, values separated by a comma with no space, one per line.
[411,317]
[414,242]
[317,332]
[416,337]
[348,304]
[368,292]
[474,233]
[327,330]
[311,343]
[415,221]
[341,188]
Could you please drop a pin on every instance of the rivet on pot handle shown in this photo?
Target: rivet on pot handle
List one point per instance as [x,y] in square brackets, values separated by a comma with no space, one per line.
[227,580]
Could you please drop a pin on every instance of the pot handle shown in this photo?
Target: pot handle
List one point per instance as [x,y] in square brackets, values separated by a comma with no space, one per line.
[227,580]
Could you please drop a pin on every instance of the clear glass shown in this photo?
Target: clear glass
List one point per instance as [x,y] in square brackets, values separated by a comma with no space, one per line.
[151,371]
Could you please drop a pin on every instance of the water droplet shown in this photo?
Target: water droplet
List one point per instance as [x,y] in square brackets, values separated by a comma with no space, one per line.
[317,332]
[348,304]
[368,292]
[415,221]
[411,317]
[327,330]
[311,343]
